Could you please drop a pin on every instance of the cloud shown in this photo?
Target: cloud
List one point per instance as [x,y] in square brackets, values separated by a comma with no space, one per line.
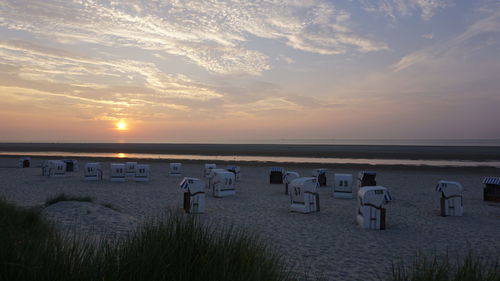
[210,34]
[47,64]
[403,8]
[486,25]
[428,36]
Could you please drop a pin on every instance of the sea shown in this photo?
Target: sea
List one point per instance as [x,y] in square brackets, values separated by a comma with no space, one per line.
[469,143]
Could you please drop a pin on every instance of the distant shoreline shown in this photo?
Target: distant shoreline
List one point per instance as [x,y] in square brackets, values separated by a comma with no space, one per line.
[411,152]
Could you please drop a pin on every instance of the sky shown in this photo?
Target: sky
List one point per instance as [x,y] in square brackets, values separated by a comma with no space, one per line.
[183,71]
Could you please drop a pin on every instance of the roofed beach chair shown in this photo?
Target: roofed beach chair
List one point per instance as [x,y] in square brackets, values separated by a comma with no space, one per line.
[175,169]
[24,162]
[342,186]
[71,165]
[371,214]
[208,169]
[320,175]
[222,183]
[92,172]
[130,168]
[452,202]
[276,175]
[236,170]
[194,195]
[288,178]
[142,172]
[491,190]
[366,179]
[303,195]
[54,168]
[117,172]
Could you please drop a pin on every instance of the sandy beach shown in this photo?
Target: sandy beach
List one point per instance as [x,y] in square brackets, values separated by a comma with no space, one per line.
[326,244]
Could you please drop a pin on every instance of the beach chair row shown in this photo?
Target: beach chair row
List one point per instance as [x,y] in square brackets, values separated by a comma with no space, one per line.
[371,197]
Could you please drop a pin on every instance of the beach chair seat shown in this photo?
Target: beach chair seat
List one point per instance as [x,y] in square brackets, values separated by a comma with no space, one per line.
[92,172]
[142,172]
[117,172]
[320,175]
[366,179]
[303,196]
[236,170]
[175,169]
[452,202]
[276,175]
[24,162]
[222,183]
[288,178]
[342,186]
[208,168]
[71,165]
[194,195]
[371,214]
[491,191]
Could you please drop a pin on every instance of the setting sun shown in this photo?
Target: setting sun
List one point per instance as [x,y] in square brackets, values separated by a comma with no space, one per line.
[121,126]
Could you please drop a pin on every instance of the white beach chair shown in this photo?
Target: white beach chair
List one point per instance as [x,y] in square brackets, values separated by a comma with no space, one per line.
[320,175]
[194,195]
[130,168]
[142,172]
[452,202]
[71,165]
[54,168]
[276,175]
[92,172]
[117,172]
[342,186]
[236,170]
[175,169]
[371,215]
[288,178]
[365,179]
[303,195]
[24,162]
[222,183]
[208,168]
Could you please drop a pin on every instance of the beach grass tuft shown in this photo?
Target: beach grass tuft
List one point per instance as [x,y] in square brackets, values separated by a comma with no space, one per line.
[177,247]
[472,267]
[63,197]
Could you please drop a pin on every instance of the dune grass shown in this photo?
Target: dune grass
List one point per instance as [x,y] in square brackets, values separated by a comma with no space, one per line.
[472,268]
[174,248]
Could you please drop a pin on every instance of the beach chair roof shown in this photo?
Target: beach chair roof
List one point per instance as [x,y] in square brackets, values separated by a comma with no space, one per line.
[306,183]
[373,195]
[449,188]
[491,180]
[277,169]
[192,184]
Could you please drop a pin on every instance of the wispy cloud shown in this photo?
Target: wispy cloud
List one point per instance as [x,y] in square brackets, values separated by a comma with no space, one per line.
[211,34]
[47,64]
[403,8]
[486,25]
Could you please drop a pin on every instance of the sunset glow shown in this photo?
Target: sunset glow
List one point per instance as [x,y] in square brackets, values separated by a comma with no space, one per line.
[242,70]
[121,126]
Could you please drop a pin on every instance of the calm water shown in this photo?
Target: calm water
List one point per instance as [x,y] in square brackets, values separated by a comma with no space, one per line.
[435,163]
[425,142]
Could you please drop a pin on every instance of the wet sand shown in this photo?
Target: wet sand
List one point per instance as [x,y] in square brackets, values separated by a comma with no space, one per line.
[471,153]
